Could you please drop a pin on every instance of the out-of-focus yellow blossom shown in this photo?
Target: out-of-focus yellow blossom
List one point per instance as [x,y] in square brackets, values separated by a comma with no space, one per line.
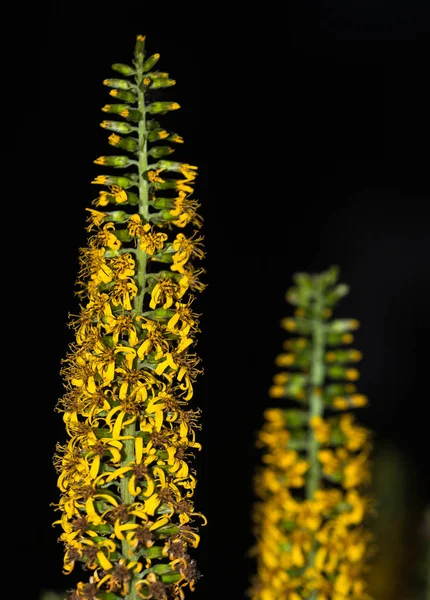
[311,542]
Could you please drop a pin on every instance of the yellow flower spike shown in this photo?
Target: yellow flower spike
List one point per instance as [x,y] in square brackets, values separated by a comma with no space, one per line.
[124,476]
[310,488]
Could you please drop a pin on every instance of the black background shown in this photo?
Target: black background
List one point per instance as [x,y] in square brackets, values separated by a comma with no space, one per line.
[310,127]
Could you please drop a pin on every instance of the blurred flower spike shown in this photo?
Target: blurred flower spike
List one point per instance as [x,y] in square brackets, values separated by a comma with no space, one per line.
[311,511]
[125,469]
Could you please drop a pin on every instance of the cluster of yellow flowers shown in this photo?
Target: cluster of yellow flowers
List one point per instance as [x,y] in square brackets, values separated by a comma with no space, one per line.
[310,517]
[126,483]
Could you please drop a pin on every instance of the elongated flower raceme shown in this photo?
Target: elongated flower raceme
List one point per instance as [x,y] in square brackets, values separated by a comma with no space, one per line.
[312,539]
[126,482]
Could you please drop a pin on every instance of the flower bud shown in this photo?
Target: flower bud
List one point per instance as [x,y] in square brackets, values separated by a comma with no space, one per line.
[127,143]
[123,69]
[337,339]
[115,108]
[342,325]
[162,107]
[295,418]
[160,151]
[343,356]
[123,95]
[161,82]
[123,235]
[150,62]
[346,402]
[116,216]
[174,137]
[338,372]
[157,134]
[118,126]
[124,182]
[140,45]
[118,162]
[295,344]
[336,294]
[302,326]
[131,114]
[121,84]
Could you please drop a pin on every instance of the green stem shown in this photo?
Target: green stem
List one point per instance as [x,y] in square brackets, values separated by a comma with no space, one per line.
[141,261]
[316,408]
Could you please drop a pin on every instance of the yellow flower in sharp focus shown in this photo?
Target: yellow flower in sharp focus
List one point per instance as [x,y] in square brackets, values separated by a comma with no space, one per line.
[151,242]
[185,248]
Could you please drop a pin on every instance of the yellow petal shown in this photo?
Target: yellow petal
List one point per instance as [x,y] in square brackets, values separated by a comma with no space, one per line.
[104,562]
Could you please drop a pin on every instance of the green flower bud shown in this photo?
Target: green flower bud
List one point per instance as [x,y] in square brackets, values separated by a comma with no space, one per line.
[159,75]
[118,126]
[295,418]
[123,95]
[126,143]
[298,440]
[337,339]
[174,137]
[299,296]
[124,182]
[337,437]
[160,82]
[170,578]
[123,235]
[171,165]
[295,344]
[342,325]
[302,326]
[118,162]
[166,530]
[162,107]
[159,151]
[338,372]
[163,258]
[131,114]
[303,280]
[331,298]
[161,568]
[123,69]
[157,134]
[288,525]
[338,389]
[116,216]
[160,314]
[343,356]
[163,203]
[121,84]
[140,46]
[152,124]
[153,552]
[115,108]
[150,62]
[329,277]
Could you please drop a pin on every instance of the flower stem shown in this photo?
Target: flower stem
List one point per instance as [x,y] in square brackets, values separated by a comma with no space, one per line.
[141,260]
[316,408]
[315,400]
